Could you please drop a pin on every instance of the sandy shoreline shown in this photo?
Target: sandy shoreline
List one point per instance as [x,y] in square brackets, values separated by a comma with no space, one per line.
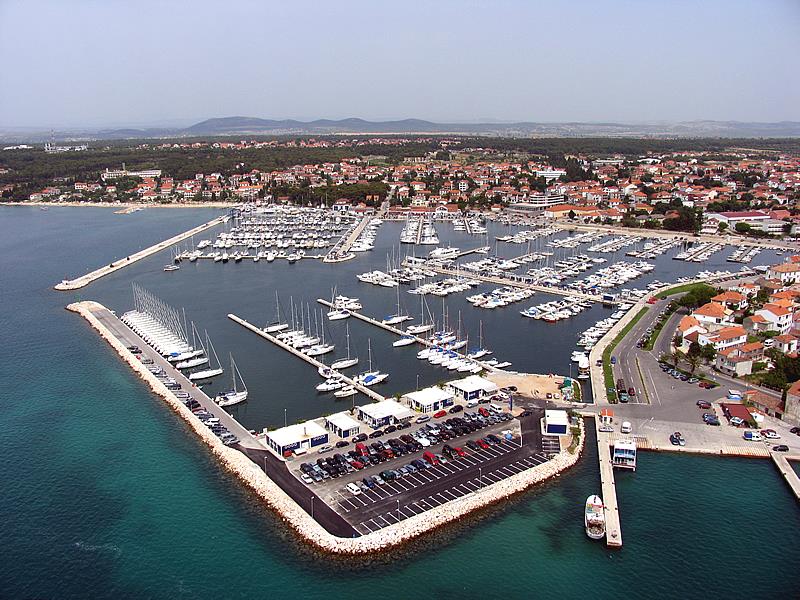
[297,518]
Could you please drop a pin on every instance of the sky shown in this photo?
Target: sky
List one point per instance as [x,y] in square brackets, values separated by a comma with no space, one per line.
[104,63]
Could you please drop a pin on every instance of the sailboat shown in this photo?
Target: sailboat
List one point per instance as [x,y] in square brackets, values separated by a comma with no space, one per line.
[320,348]
[398,317]
[405,340]
[208,373]
[480,351]
[370,377]
[423,327]
[235,395]
[344,363]
[276,325]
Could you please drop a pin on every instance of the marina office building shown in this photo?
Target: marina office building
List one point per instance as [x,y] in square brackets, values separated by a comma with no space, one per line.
[472,388]
[429,400]
[383,413]
[301,436]
[342,424]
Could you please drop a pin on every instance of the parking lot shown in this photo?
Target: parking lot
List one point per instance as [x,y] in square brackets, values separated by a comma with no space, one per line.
[393,499]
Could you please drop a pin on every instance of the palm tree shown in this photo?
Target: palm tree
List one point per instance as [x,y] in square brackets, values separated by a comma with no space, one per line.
[694,361]
[676,355]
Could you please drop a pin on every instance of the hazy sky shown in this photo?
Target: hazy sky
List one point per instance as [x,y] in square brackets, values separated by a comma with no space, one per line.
[133,62]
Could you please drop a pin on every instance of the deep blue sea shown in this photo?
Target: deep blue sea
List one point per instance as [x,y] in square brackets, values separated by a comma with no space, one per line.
[105,493]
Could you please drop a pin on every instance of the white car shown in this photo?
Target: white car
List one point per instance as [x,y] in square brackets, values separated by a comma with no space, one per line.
[325,448]
[770,434]
[353,489]
[425,442]
[306,478]
[605,428]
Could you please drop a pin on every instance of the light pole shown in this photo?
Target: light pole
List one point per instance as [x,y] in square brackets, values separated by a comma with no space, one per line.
[480,477]
[284,417]
[312,507]
[398,511]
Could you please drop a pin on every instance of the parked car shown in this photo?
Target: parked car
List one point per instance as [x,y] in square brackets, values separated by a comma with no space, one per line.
[325,448]
[423,418]
[770,434]
[752,436]
[704,404]
[455,409]
[780,448]
[439,414]
[431,458]
[353,489]
[736,421]
[361,437]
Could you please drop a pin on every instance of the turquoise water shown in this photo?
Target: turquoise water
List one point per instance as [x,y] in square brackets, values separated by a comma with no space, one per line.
[106,495]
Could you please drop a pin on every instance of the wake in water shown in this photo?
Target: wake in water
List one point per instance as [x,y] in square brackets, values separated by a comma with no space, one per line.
[113,549]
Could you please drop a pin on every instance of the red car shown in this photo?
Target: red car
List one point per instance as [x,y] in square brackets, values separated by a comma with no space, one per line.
[362,449]
[459,451]
[483,411]
[357,465]
[440,414]
[430,458]
[482,444]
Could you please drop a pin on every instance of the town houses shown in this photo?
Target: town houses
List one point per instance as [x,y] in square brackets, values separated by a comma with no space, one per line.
[749,194]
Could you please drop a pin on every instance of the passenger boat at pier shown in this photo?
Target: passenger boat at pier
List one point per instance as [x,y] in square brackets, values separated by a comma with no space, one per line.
[594,518]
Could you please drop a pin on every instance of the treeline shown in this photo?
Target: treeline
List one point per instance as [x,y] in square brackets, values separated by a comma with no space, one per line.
[358,192]
[601,146]
[35,169]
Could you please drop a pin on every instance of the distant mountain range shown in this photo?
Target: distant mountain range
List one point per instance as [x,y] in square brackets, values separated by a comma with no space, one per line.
[241,126]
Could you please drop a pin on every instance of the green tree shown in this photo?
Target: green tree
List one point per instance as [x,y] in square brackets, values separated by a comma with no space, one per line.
[742,228]
[722,226]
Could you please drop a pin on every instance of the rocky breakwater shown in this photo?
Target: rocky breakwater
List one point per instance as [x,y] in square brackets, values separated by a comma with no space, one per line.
[296,517]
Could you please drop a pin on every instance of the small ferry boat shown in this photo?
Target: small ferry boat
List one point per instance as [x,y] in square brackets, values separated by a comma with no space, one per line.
[171,267]
[594,518]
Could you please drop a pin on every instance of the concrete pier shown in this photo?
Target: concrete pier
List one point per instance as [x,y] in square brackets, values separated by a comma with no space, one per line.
[115,330]
[309,359]
[84,280]
[789,474]
[515,283]
[400,332]
[608,485]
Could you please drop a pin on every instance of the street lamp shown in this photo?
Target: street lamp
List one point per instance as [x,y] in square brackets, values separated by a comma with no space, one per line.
[480,477]
[312,507]
[398,511]
[284,417]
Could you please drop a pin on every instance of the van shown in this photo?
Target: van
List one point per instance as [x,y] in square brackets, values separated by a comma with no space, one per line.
[472,403]
[626,427]
[752,436]
[496,408]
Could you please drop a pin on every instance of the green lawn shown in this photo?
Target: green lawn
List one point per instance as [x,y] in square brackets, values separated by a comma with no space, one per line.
[686,287]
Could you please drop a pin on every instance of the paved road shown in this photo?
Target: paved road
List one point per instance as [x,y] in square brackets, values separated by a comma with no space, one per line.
[127,336]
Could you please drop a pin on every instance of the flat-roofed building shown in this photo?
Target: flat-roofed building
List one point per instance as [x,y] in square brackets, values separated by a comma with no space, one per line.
[301,436]
[429,400]
[383,413]
[472,388]
[342,424]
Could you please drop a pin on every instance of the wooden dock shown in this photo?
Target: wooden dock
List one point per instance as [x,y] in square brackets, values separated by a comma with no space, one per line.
[84,280]
[417,339]
[309,359]
[609,494]
[789,474]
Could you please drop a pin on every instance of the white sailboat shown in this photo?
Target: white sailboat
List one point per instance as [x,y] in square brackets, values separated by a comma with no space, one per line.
[405,340]
[398,317]
[276,325]
[370,377]
[235,395]
[423,327]
[345,363]
[208,373]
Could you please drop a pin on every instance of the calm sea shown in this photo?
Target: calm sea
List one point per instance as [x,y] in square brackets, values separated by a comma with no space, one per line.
[106,495]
